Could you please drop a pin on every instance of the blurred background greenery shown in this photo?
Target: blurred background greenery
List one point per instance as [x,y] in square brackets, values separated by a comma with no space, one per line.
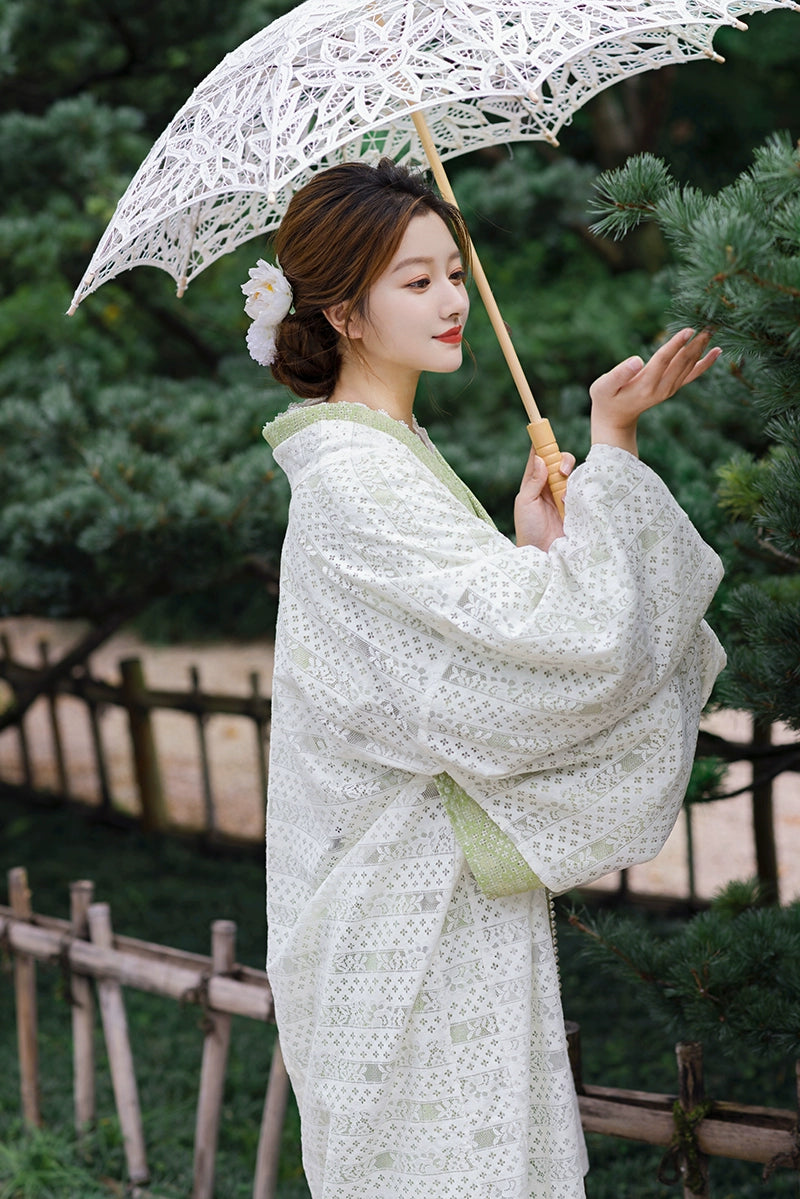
[135,483]
[132,470]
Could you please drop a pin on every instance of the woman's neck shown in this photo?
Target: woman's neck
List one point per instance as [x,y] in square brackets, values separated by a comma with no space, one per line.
[395,396]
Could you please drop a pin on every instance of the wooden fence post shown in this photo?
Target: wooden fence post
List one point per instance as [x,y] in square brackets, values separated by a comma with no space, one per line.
[763,820]
[212,1072]
[120,1058]
[269,1141]
[201,719]
[145,757]
[93,713]
[22,737]
[81,894]
[25,996]
[691,1096]
[55,728]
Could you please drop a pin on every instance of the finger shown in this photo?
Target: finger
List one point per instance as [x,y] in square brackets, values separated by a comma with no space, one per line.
[618,377]
[567,463]
[535,478]
[704,363]
[530,467]
[684,366]
[672,363]
[671,348]
[686,345]
[534,469]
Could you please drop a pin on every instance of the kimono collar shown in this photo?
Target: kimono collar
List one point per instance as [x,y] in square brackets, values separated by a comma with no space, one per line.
[302,416]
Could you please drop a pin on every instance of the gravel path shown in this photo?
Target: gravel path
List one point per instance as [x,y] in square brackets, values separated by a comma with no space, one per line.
[722,832]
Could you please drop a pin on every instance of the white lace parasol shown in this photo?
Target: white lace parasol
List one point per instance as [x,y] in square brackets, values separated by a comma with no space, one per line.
[338,79]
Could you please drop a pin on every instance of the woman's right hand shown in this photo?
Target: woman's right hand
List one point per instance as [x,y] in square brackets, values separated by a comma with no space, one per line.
[624,393]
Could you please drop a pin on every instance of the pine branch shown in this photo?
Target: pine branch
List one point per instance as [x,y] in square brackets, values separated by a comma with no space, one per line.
[600,940]
[744,273]
[790,560]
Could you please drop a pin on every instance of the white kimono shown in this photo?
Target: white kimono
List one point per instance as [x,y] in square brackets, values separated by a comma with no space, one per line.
[424,665]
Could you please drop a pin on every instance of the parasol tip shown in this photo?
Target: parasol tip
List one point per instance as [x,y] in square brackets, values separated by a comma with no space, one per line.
[73,308]
[740,25]
[181,288]
[712,54]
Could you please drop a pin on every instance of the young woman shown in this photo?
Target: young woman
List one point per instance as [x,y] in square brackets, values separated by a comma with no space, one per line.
[461,723]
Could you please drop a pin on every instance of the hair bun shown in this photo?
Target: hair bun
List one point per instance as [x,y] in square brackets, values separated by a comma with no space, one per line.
[306,355]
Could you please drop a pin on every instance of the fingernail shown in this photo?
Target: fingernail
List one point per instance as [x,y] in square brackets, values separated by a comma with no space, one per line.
[688,334]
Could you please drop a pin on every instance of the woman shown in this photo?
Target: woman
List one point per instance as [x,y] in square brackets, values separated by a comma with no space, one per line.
[460,723]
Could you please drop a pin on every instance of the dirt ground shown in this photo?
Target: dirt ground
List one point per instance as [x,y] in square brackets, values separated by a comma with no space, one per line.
[722,835]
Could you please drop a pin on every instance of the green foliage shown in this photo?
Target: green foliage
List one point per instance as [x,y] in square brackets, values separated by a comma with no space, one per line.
[162,891]
[123,476]
[42,1164]
[717,113]
[126,492]
[120,53]
[706,781]
[737,270]
[728,977]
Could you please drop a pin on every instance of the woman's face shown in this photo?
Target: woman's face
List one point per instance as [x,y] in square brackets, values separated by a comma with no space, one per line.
[417,308]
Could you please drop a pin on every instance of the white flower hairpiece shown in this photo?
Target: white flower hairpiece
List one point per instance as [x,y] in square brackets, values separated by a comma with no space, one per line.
[269,298]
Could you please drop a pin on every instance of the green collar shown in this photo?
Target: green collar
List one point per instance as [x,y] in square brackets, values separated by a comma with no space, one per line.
[300,416]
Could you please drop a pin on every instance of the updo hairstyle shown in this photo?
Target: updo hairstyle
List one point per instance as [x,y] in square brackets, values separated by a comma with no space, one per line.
[338,235]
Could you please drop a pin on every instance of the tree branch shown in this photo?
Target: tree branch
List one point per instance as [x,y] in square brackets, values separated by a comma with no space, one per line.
[26,694]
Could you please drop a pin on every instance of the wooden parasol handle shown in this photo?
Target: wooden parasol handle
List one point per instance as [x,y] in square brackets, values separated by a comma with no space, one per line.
[539,430]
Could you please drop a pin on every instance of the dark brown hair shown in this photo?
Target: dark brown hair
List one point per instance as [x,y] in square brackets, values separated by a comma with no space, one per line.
[337,237]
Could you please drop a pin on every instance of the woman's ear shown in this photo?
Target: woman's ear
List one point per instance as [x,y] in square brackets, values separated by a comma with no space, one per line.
[337,317]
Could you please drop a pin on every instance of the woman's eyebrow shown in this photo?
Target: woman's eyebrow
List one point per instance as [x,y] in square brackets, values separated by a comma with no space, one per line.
[422,261]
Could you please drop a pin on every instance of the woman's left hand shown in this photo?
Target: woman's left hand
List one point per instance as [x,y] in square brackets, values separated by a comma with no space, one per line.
[537,521]
[621,395]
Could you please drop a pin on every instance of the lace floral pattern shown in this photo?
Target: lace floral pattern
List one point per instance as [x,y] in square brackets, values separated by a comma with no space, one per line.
[421,1019]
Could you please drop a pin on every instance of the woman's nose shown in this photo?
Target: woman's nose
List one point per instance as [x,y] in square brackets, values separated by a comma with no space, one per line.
[456,299]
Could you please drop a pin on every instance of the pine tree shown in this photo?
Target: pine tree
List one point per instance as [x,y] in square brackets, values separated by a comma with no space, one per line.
[730,975]
[737,271]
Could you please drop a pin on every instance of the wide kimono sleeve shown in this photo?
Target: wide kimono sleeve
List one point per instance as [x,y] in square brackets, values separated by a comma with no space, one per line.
[559,691]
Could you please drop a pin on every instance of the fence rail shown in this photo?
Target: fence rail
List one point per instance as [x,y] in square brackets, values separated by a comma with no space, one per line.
[43,749]
[139,702]
[86,948]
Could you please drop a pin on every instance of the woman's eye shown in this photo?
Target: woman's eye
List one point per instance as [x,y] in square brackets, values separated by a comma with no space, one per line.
[459,276]
[419,284]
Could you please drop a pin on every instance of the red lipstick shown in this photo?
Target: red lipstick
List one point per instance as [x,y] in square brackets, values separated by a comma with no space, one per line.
[452,336]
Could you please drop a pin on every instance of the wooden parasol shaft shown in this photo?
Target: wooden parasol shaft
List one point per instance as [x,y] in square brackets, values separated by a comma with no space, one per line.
[539,428]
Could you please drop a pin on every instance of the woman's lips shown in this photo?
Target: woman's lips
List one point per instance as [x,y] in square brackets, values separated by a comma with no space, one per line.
[453,336]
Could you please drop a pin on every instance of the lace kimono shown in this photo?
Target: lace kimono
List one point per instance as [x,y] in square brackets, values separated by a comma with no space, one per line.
[455,718]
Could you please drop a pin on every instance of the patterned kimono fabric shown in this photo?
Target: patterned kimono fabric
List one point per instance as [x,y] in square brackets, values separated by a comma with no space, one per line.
[458,724]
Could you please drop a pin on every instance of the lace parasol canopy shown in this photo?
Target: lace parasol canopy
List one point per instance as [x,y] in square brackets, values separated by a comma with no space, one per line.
[336,79]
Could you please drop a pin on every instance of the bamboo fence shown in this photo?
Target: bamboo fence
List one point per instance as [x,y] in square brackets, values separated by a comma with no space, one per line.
[140,702]
[688,1127]
[87,949]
